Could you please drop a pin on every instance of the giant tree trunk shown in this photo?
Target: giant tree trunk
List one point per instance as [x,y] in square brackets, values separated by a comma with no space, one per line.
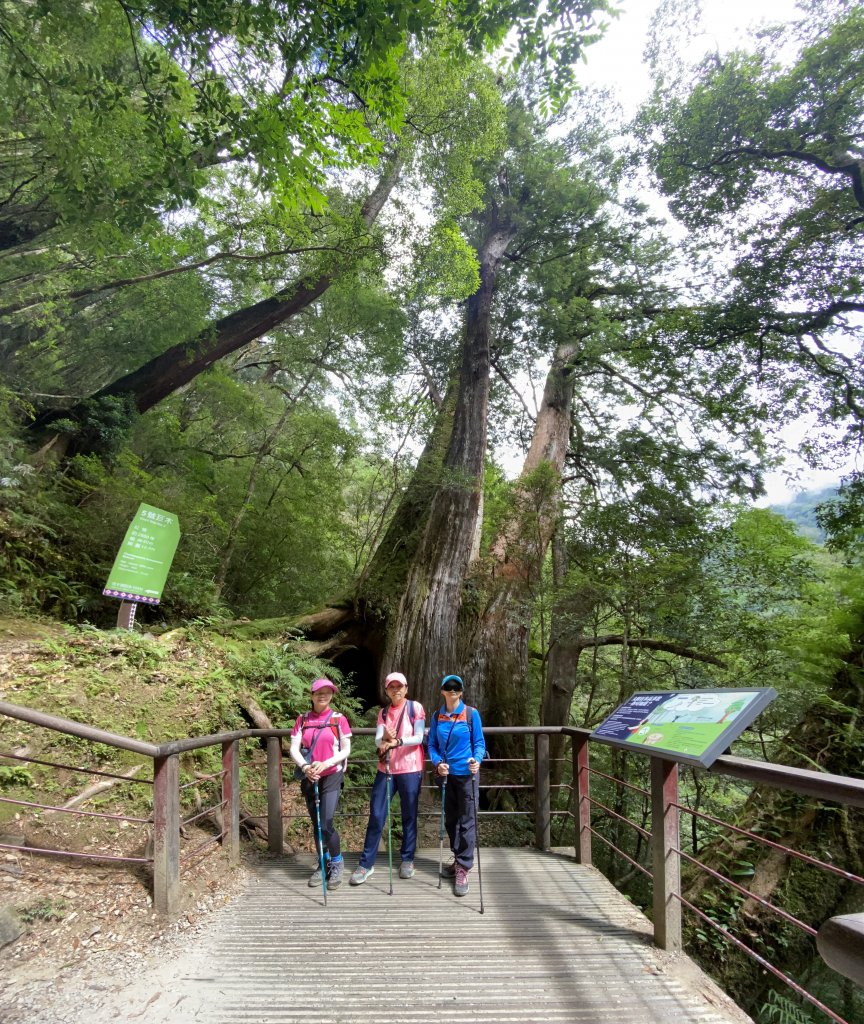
[405,607]
[423,640]
[365,620]
[383,581]
[495,643]
[180,364]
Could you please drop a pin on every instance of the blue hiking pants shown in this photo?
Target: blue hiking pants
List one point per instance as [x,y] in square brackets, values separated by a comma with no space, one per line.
[407,785]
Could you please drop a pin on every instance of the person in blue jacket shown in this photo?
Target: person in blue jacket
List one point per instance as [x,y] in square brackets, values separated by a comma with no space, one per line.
[456,749]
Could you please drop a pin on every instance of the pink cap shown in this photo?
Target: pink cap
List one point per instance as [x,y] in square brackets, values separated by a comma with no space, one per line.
[395,677]
[322,684]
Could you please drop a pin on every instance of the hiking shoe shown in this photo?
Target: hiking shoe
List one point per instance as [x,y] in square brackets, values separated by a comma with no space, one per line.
[461,887]
[360,875]
[449,870]
[335,871]
[406,869]
[315,878]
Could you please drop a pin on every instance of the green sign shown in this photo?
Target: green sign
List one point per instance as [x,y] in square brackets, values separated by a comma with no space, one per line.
[145,556]
[694,726]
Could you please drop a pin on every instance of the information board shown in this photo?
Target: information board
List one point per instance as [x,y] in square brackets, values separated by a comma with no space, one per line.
[145,556]
[694,726]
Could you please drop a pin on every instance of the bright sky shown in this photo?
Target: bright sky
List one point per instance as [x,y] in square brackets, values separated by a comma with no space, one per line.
[616,61]
[616,64]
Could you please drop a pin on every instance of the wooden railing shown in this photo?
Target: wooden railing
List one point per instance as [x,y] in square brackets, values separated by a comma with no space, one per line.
[664,801]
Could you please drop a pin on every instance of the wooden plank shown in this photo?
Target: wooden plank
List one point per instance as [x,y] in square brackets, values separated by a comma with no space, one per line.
[275,835]
[542,794]
[231,800]
[582,803]
[557,943]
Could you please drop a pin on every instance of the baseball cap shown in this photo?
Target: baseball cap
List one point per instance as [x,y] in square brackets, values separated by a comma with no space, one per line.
[322,684]
[452,683]
[395,677]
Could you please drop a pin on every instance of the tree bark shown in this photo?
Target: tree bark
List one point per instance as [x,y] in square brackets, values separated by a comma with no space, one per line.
[423,640]
[383,581]
[495,643]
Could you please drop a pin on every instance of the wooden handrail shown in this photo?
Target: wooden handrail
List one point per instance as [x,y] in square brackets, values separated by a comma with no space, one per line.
[823,785]
[85,732]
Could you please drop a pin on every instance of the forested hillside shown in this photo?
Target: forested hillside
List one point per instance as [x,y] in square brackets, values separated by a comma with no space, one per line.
[804,510]
[316,283]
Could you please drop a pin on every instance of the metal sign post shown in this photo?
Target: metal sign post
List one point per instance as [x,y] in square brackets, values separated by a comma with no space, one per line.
[126,615]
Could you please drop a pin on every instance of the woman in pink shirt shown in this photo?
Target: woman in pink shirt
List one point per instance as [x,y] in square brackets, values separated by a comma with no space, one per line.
[401,725]
[320,745]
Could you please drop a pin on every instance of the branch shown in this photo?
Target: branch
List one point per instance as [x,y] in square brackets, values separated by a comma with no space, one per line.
[100,787]
[648,644]
[497,368]
[124,282]
[851,170]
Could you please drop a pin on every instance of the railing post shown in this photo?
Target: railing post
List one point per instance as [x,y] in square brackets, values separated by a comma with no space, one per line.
[231,799]
[166,835]
[274,794]
[581,803]
[542,793]
[667,861]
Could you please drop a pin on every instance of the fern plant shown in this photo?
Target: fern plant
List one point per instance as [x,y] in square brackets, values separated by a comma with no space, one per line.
[781,1009]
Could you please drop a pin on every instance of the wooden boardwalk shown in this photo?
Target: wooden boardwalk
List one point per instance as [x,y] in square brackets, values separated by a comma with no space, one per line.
[557,943]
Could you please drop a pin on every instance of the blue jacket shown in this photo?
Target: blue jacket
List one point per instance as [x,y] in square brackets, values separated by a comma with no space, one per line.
[451,741]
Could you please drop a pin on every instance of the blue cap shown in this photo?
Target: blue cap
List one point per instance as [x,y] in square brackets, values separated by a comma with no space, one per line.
[452,683]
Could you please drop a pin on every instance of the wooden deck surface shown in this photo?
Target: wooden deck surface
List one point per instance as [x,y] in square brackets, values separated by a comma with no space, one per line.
[557,943]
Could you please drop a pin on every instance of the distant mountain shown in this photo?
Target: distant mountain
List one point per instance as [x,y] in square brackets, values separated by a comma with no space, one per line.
[801,510]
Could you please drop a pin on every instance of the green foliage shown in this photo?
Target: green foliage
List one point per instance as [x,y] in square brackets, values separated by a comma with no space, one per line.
[14,776]
[842,519]
[116,110]
[43,909]
[280,676]
[782,1009]
[758,152]
[104,425]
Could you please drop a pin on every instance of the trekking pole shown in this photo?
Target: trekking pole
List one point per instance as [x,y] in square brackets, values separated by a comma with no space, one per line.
[441,835]
[389,823]
[475,793]
[320,841]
